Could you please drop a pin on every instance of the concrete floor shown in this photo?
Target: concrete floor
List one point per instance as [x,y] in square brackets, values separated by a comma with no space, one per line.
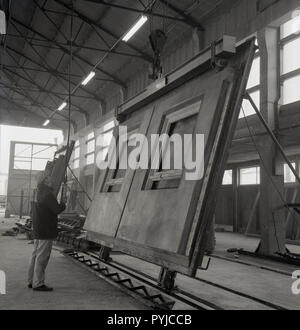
[76,288]
[239,273]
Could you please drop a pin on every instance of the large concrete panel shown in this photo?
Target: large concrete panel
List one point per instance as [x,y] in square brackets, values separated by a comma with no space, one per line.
[159,215]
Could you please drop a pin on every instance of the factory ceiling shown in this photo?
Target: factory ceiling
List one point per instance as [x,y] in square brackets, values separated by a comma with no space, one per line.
[35,53]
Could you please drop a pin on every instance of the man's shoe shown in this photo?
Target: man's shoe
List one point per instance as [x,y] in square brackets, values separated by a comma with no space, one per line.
[29,286]
[44,288]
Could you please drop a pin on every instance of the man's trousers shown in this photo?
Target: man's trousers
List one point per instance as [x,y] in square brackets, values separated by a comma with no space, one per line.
[39,261]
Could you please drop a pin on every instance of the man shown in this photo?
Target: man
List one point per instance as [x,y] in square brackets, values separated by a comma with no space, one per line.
[44,221]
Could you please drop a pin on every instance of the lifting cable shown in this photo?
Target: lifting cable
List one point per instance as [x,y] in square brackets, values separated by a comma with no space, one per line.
[70,72]
[69,89]
[65,186]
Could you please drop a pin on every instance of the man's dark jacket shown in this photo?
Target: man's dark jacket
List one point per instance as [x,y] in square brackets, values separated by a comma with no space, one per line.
[44,214]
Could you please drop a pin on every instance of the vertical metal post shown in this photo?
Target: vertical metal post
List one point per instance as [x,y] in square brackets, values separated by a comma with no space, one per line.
[235,195]
[21,204]
[104,253]
[30,179]
[166,279]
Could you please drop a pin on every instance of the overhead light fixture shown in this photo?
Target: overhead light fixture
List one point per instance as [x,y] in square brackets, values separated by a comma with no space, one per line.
[62,106]
[90,76]
[135,28]
[2,22]
[46,123]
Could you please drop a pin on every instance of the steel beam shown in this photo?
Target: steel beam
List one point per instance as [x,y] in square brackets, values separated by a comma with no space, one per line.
[187,18]
[42,9]
[47,91]
[59,73]
[96,97]
[94,49]
[54,73]
[22,92]
[20,108]
[41,89]
[13,106]
[145,11]
[144,55]
[34,103]
[66,51]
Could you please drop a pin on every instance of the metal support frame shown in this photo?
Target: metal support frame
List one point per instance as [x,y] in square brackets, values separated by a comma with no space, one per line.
[25,94]
[21,204]
[84,18]
[104,253]
[48,92]
[30,79]
[33,102]
[186,19]
[272,135]
[43,11]
[20,108]
[166,279]
[53,72]
[145,293]
[66,51]
[59,73]
[37,42]
[39,56]
[102,101]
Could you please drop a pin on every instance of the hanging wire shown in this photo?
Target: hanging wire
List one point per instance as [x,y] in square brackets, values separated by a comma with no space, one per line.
[70,72]
[151,17]
[70,89]
[164,19]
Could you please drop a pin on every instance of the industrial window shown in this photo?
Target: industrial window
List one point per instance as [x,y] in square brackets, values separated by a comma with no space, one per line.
[227,178]
[104,139]
[176,123]
[289,177]
[76,155]
[290,61]
[291,27]
[90,149]
[32,156]
[253,88]
[116,177]
[249,176]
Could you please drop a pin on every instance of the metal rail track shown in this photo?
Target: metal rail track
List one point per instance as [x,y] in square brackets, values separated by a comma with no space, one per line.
[250,264]
[222,287]
[145,288]
[141,286]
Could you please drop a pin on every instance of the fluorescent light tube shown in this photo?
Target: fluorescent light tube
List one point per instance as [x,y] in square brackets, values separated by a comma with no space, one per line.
[135,28]
[88,78]
[2,22]
[62,106]
[46,122]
